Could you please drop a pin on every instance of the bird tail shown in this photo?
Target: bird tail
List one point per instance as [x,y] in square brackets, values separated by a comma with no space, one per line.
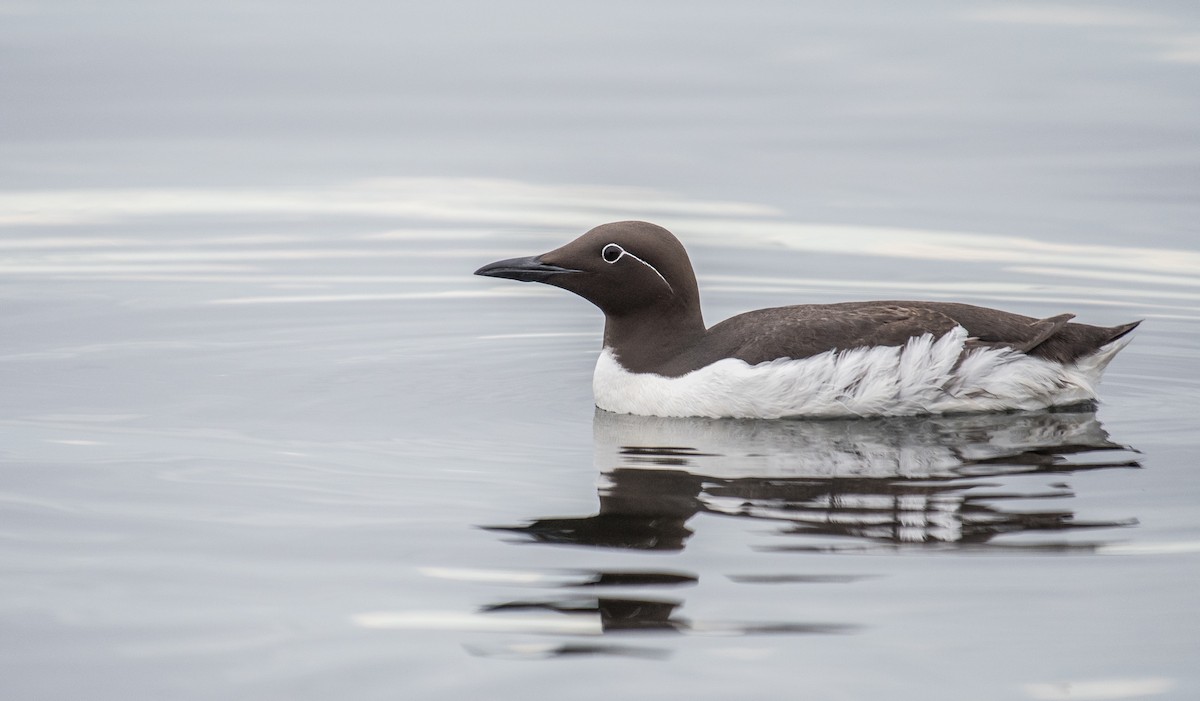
[1119,332]
[1093,365]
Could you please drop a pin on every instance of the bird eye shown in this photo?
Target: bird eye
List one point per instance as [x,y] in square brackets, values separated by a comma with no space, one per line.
[612,253]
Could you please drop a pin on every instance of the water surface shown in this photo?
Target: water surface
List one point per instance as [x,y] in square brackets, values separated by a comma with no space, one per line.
[262,434]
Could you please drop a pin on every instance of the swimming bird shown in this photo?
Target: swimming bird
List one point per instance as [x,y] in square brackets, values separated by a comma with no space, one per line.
[886,358]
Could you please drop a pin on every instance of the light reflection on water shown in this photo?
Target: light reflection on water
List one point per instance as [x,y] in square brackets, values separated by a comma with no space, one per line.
[254,408]
[338,445]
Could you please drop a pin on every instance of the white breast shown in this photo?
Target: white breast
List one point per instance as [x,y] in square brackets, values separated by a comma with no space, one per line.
[923,376]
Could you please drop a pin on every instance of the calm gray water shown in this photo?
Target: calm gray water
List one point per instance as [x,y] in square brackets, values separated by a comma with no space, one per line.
[263,436]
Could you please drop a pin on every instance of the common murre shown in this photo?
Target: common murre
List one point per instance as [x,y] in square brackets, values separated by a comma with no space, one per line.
[887,358]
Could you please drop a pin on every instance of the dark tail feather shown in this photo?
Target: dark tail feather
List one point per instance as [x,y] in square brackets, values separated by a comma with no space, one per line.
[1043,329]
[1055,339]
[1116,332]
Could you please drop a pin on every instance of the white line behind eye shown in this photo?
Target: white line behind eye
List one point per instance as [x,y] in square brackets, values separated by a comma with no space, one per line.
[604,255]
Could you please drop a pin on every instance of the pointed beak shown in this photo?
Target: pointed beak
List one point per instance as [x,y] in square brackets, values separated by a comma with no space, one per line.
[529,269]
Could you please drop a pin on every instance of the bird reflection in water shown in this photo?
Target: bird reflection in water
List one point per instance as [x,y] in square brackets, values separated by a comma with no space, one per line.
[941,481]
[610,614]
[956,482]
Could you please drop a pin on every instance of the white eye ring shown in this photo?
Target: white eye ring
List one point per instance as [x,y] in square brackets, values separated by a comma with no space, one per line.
[611,253]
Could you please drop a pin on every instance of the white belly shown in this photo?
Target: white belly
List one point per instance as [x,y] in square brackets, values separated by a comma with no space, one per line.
[924,376]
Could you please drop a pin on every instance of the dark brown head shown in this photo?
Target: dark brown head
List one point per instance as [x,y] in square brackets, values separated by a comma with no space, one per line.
[625,268]
[641,278]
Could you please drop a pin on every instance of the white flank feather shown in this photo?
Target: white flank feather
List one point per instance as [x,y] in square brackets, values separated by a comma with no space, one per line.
[924,376]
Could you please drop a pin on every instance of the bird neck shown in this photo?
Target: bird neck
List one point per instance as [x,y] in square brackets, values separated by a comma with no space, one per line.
[649,340]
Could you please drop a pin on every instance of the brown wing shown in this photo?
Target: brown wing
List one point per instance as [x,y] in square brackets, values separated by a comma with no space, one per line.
[807,330]
[803,331]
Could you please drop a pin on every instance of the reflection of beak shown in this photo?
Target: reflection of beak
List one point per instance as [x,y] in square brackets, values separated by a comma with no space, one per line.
[530,269]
